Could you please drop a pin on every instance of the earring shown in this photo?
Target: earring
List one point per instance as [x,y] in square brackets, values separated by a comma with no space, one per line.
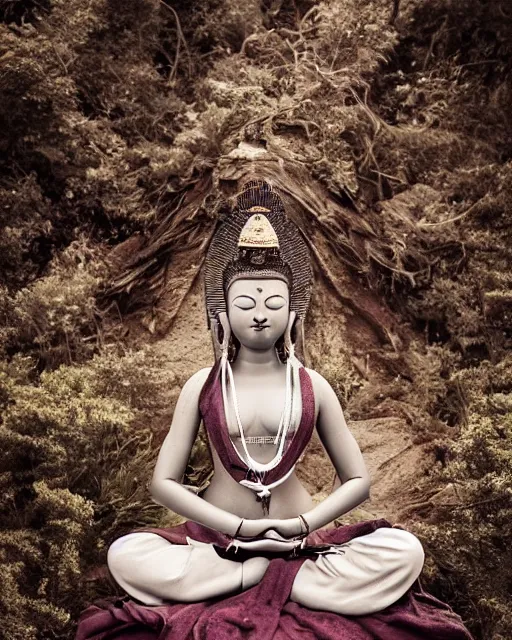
[226,337]
[232,350]
[289,347]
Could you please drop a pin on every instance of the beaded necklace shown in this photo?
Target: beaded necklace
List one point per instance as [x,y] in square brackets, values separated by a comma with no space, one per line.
[289,418]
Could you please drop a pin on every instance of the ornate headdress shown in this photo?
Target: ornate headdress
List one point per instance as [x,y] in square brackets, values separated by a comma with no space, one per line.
[257,241]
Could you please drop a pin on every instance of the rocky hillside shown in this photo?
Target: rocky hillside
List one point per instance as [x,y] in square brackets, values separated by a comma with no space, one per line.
[126,128]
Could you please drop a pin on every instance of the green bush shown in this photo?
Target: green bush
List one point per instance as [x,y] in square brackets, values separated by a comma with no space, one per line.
[75,461]
[113,115]
[468,531]
[55,317]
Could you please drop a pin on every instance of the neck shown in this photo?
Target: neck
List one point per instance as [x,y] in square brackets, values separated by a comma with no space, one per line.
[251,359]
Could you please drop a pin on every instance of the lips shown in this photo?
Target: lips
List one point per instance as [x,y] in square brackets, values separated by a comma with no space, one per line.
[259,327]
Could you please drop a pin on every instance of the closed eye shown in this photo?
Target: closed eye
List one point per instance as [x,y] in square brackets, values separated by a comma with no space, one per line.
[244,302]
[275,302]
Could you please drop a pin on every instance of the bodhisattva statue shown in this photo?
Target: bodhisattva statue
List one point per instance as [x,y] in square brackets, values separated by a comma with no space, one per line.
[260,406]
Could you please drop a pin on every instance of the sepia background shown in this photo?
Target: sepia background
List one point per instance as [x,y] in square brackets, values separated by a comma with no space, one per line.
[126,127]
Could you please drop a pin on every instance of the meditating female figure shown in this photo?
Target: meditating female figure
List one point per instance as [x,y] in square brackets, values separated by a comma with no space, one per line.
[260,406]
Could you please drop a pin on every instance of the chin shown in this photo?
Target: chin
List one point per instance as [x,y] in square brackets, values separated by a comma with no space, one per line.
[260,342]
[259,345]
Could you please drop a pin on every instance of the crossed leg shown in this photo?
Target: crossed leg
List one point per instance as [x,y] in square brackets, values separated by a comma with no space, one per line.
[365,575]
[152,570]
[362,576]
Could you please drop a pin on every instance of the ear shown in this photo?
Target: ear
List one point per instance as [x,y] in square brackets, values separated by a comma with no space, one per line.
[216,323]
[288,333]
[291,321]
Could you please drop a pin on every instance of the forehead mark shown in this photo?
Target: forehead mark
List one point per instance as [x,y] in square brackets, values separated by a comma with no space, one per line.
[259,289]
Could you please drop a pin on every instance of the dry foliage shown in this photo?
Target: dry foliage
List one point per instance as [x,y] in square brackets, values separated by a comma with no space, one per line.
[126,128]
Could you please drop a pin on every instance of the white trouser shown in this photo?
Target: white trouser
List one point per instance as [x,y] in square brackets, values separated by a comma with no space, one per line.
[367,574]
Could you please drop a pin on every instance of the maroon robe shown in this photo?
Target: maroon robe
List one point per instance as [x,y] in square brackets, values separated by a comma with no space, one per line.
[265,611]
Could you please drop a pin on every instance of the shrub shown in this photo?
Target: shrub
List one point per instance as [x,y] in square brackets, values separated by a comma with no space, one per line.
[75,461]
[468,534]
[55,316]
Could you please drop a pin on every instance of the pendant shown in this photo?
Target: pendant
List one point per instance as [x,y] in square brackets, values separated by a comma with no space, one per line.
[265,504]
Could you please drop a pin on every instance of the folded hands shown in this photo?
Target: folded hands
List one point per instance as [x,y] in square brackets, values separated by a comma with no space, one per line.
[270,534]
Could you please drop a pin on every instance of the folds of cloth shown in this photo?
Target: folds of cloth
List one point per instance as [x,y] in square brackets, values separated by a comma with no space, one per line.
[362,584]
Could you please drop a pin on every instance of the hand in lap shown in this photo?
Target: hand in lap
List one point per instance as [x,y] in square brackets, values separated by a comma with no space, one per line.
[270,537]
[270,542]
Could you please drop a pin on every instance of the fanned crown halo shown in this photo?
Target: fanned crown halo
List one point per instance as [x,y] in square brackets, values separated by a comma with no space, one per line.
[257,240]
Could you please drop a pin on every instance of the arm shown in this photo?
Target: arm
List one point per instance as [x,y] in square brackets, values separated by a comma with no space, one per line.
[165,487]
[346,457]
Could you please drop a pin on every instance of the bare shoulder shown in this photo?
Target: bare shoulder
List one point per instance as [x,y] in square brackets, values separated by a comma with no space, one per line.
[198,378]
[320,384]
[322,390]
[193,386]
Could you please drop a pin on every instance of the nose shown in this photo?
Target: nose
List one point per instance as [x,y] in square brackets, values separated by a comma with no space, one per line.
[259,318]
